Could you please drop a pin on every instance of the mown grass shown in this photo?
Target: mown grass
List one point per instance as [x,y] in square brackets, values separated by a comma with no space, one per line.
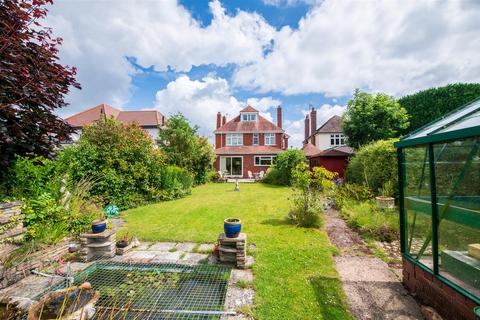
[295,277]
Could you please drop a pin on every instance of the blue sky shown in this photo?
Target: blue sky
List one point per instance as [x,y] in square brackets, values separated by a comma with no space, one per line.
[202,56]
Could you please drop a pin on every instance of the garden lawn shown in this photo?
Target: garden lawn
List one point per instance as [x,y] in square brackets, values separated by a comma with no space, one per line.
[295,277]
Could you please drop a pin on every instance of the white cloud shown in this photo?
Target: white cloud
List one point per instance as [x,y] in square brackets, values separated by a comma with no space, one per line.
[393,46]
[200,100]
[99,35]
[289,3]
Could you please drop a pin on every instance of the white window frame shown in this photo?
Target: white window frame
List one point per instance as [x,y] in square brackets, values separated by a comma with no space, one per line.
[234,139]
[337,140]
[257,160]
[249,116]
[256,139]
[268,139]
[223,166]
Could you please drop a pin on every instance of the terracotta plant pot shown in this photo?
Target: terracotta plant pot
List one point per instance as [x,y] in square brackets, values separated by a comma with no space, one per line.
[384,202]
[232,227]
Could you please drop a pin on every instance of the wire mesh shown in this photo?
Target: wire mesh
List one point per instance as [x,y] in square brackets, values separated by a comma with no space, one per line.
[157,291]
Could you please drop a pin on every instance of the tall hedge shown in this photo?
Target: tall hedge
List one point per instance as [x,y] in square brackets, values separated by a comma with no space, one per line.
[428,105]
[374,165]
[281,172]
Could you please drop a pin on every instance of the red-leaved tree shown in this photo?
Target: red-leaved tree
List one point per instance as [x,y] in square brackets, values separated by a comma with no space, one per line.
[32,82]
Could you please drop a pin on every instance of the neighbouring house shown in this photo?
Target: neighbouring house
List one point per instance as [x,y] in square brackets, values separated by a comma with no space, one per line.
[149,120]
[326,146]
[248,142]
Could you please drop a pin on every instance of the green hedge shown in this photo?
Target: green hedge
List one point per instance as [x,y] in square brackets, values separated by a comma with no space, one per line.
[281,172]
[374,165]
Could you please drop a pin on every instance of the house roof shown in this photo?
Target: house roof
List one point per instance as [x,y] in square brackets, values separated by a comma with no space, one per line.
[248,150]
[249,109]
[335,152]
[261,125]
[143,118]
[310,149]
[332,125]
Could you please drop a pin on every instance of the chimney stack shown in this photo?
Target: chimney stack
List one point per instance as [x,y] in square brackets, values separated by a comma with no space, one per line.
[279,116]
[313,126]
[224,120]
[219,119]
[307,128]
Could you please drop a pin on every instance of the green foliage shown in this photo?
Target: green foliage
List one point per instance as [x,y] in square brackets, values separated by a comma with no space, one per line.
[428,105]
[306,202]
[123,161]
[346,192]
[374,165]
[281,173]
[382,225]
[323,180]
[183,148]
[373,117]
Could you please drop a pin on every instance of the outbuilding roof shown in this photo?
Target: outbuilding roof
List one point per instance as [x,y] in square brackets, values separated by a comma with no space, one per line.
[310,149]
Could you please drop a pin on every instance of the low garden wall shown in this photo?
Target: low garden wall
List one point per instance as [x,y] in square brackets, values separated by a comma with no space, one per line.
[11,231]
[432,292]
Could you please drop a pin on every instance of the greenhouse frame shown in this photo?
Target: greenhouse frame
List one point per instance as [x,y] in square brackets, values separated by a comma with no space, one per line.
[439,202]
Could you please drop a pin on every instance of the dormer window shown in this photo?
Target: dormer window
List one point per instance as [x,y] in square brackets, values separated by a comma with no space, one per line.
[249,116]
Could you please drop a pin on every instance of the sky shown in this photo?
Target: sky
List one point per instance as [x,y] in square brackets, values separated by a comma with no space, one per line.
[199,57]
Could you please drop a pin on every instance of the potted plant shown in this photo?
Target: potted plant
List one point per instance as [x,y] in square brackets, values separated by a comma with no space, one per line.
[386,200]
[100,224]
[122,243]
[232,227]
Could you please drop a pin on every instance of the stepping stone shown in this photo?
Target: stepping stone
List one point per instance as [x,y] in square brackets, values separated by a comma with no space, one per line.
[204,247]
[185,246]
[166,257]
[139,255]
[161,246]
[194,258]
[237,275]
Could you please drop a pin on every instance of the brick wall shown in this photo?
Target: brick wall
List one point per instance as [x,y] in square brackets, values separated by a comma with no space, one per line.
[432,292]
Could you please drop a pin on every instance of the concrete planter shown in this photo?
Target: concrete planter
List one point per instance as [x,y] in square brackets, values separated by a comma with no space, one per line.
[384,202]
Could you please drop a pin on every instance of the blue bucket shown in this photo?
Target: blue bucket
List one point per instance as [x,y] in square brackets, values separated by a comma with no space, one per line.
[232,227]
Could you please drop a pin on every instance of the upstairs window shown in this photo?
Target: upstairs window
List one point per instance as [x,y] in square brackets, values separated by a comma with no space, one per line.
[235,139]
[337,140]
[249,116]
[255,139]
[269,139]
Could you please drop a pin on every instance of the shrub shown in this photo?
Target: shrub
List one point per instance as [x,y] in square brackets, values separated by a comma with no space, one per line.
[122,159]
[183,148]
[347,192]
[382,225]
[374,165]
[373,117]
[281,172]
[306,202]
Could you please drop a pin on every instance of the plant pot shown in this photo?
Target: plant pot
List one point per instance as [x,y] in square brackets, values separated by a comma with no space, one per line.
[122,243]
[99,226]
[232,227]
[384,202]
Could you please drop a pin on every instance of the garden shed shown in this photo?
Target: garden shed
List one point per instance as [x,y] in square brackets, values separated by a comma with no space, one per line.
[439,200]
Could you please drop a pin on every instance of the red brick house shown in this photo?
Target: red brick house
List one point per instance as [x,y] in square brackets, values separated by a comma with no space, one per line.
[248,142]
[326,146]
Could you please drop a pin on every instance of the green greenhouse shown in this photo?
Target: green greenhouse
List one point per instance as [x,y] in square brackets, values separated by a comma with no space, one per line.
[439,200]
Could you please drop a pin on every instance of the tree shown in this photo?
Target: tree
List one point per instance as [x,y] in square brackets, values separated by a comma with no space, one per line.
[373,117]
[32,82]
[185,149]
[281,173]
[428,105]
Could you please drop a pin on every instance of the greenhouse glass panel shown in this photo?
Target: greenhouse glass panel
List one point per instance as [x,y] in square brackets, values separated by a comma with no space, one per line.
[417,204]
[457,171]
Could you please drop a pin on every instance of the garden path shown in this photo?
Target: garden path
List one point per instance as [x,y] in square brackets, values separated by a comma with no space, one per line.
[373,290]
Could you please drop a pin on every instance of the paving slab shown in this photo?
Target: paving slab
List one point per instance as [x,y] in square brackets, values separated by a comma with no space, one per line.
[244,275]
[166,257]
[139,255]
[206,247]
[162,246]
[193,258]
[185,246]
